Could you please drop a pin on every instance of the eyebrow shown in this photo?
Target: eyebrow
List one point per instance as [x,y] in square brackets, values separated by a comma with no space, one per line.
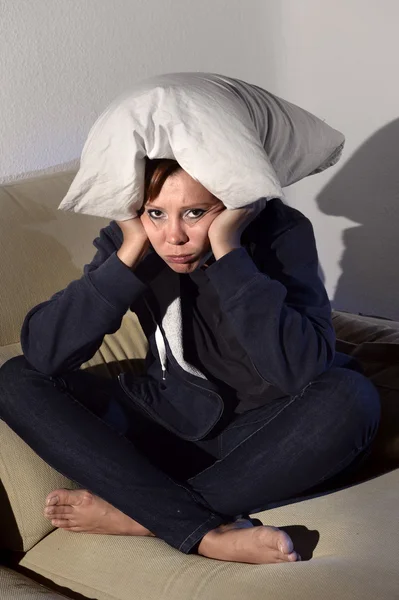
[200,204]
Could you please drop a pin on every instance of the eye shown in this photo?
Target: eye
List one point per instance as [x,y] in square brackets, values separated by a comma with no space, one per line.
[196,210]
[156,214]
[151,212]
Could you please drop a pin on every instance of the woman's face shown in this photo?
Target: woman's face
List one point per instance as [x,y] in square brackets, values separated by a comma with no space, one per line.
[177,221]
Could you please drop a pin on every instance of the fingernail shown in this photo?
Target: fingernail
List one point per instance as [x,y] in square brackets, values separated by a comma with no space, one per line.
[52,500]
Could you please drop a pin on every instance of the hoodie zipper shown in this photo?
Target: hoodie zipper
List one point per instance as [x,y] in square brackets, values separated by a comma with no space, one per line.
[172,359]
[130,395]
[174,362]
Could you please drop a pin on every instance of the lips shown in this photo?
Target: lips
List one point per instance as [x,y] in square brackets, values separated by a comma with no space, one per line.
[182,258]
[179,256]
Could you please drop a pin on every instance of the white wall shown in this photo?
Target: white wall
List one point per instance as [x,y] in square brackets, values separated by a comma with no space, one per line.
[63,61]
[340,60]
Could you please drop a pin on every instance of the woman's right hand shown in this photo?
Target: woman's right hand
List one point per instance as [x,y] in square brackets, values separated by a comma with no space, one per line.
[135,242]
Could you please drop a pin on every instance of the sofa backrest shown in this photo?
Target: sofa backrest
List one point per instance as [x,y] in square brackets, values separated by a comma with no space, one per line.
[374,343]
[42,249]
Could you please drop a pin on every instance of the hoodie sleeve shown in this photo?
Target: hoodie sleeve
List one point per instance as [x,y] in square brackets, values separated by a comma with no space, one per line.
[65,331]
[280,312]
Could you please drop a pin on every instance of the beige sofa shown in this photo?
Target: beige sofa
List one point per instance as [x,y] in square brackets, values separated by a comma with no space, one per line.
[350,536]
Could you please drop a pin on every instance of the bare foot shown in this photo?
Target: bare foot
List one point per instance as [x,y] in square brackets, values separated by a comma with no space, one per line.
[81,511]
[241,542]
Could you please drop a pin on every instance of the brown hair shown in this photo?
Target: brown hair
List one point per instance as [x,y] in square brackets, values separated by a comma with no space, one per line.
[157,171]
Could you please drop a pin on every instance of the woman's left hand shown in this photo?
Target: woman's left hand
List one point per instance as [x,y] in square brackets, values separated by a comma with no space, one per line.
[226,229]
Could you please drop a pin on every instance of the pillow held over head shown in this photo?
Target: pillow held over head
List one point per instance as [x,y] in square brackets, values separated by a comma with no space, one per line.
[240,141]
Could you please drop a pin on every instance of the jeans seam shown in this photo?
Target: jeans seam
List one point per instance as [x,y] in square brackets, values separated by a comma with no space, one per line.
[301,393]
[293,398]
[337,469]
[249,423]
[356,452]
[210,519]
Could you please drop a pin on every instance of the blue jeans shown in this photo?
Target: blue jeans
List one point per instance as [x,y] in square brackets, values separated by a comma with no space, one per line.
[86,428]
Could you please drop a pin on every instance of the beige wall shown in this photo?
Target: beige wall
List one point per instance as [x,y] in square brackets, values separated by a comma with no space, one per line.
[340,60]
[63,61]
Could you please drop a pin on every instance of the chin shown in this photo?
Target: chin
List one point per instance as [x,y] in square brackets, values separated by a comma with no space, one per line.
[184,268]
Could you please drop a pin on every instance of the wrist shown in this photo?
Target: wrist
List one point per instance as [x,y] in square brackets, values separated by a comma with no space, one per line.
[220,250]
[131,254]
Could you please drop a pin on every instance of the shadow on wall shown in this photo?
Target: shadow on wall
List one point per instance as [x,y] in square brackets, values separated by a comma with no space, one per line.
[366,190]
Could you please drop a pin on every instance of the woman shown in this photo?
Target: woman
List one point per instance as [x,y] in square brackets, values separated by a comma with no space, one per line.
[256,410]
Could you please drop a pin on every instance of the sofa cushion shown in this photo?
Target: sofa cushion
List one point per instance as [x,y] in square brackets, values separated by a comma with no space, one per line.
[360,332]
[48,247]
[9,351]
[25,478]
[14,586]
[124,350]
[25,481]
[355,557]
[374,342]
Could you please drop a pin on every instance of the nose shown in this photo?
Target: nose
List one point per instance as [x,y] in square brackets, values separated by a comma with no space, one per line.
[175,232]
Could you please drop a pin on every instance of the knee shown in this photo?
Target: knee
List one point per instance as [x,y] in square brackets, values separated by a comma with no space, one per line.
[13,369]
[13,375]
[353,401]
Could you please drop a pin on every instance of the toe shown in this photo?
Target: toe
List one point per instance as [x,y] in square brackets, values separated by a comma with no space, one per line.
[284,558]
[57,497]
[52,499]
[62,523]
[292,557]
[284,542]
[64,496]
[56,511]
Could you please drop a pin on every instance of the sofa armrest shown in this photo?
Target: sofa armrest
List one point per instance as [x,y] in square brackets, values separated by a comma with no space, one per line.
[25,481]
[14,585]
[374,343]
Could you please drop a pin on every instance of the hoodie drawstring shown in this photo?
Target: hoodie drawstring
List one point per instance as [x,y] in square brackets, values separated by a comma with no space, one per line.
[160,343]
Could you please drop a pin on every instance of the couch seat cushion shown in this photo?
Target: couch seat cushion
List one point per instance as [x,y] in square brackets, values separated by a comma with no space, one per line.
[355,558]
[374,343]
[14,586]
[9,351]
[21,469]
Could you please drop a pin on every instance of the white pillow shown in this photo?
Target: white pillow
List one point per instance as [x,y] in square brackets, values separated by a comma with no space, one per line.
[241,142]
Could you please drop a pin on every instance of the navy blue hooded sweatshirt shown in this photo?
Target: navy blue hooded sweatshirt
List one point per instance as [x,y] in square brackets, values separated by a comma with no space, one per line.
[270,296]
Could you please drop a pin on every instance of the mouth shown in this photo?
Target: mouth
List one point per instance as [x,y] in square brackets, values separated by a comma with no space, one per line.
[181,259]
